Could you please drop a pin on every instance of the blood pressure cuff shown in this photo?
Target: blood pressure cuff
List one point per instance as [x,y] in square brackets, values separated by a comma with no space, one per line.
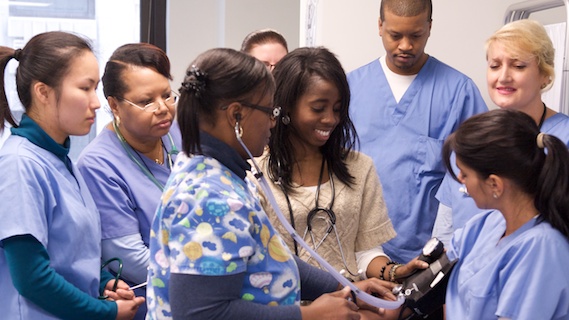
[425,290]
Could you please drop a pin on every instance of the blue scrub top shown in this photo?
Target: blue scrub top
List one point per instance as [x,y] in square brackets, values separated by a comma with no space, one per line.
[39,196]
[405,141]
[521,276]
[463,207]
[126,198]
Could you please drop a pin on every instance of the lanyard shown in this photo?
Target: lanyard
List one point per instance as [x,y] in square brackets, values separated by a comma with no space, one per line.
[130,152]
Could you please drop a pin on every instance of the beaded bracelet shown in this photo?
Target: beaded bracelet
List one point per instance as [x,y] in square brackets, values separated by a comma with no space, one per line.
[392,272]
[382,271]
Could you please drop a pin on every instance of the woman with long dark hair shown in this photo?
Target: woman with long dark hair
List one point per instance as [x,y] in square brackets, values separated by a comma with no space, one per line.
[513,256]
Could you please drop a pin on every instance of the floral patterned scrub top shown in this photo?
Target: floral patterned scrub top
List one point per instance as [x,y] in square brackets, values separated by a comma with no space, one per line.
[210,223]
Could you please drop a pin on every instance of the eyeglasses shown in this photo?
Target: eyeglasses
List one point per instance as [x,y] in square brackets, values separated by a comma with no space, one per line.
[272,112]
[269,65]
[171,101]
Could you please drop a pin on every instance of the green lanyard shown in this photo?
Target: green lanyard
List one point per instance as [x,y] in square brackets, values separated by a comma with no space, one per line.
[130,151]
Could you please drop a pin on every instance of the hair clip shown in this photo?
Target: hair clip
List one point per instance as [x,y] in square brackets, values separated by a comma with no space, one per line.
[195,81]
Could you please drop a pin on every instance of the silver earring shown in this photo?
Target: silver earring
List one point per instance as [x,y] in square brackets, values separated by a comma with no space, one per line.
[285,119]
[494,195]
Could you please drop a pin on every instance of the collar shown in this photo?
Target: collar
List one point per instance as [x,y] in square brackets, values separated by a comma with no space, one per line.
[30,130]
[222,152]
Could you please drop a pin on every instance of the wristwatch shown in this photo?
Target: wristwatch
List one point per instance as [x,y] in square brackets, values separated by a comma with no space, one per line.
[432,250]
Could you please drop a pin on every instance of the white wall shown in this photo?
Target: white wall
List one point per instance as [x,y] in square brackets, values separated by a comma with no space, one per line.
[197,25]
[347,27]
[458,33]
[459,30]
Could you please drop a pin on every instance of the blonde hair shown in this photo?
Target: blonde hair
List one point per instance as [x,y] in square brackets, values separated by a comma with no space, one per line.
[527,39]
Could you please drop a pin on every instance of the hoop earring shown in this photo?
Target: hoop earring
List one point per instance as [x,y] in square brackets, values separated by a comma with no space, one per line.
[285,120]
[117,120]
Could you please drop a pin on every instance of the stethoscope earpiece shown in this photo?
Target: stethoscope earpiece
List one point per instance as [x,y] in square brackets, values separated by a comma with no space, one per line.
[359,274]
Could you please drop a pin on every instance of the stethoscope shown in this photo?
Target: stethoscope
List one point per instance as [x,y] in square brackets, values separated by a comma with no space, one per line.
[130,152]
[356,292]
[117,275]
[329,218]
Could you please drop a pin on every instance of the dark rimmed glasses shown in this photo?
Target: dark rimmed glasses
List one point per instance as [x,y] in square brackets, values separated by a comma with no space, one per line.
[272,112]
[171,101]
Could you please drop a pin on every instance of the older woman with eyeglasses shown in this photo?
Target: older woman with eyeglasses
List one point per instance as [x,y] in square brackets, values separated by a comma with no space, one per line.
[128,163]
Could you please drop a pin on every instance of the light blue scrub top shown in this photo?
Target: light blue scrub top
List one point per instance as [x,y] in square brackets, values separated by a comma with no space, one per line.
[522,276]
[126,198]
[405,140]
[463,207]
[40,197]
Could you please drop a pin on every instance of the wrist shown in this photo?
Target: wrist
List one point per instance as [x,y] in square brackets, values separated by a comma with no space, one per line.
[384,269]
[393,272]
[307,312]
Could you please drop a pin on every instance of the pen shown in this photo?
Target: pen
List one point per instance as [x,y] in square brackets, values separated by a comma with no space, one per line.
[138,286]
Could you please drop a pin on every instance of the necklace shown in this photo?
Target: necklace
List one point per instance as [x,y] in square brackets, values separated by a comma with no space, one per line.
[542,116]
[150,155]
[129,150]
[157,160]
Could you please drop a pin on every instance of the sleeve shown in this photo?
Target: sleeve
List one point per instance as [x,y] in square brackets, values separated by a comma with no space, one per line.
[105,277]
[375,227]
[25,191]
[443,194]
[134,254]
[363,258]
[449,185]
[454,248]
[35,280]
[471,101]
[112,196]
[218,297]
[535,283]
[314,282]
[443,227]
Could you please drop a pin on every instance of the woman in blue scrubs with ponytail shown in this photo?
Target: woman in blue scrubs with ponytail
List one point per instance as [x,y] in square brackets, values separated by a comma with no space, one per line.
[513,256]
[50,235]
